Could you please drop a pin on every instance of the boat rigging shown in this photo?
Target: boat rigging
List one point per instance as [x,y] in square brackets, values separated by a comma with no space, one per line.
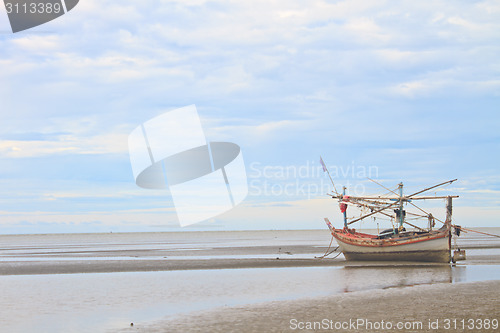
[419,244]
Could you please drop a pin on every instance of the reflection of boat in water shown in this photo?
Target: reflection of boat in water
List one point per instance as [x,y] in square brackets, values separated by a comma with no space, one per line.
[397,243]
[385,276]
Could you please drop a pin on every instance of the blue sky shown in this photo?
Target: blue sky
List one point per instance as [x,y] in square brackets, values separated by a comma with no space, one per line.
[409,90]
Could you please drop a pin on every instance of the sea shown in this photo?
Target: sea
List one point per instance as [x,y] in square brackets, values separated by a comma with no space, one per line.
[101,302]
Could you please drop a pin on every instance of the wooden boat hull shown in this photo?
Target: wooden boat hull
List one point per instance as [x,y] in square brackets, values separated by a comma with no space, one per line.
[428,247]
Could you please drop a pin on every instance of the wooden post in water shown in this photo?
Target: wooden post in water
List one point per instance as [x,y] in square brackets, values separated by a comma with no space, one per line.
[449,211]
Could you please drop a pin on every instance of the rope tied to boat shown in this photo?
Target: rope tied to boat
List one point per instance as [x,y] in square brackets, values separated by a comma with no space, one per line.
[472,230]
[328,253]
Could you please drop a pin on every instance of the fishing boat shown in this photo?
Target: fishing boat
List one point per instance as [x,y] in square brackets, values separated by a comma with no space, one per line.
[427,244]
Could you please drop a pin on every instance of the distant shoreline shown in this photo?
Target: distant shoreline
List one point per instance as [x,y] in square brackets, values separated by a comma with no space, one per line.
[208,230]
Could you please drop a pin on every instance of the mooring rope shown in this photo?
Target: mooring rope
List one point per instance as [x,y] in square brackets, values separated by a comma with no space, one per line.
[328,249]
[479,232]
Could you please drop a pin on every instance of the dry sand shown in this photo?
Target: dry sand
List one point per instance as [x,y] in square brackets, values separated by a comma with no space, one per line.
[430,305]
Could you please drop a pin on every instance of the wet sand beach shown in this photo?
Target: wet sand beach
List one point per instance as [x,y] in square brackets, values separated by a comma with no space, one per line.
[166,264]
[424,308]
[115,266]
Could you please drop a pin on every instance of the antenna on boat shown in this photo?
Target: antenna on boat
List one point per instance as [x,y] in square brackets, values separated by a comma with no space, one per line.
[325,169]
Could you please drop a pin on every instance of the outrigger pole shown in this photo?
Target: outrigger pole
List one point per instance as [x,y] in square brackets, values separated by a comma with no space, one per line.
[399,201]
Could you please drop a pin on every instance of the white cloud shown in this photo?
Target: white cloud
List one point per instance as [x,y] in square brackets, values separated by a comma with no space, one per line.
[80,136]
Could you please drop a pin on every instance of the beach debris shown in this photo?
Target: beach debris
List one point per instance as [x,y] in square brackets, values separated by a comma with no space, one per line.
[285,252]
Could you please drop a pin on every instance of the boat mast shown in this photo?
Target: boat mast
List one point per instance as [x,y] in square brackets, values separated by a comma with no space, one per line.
[401,215]
[345,211]
[449,209]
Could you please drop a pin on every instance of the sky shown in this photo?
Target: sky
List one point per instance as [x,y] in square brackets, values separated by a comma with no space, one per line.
[395,91]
